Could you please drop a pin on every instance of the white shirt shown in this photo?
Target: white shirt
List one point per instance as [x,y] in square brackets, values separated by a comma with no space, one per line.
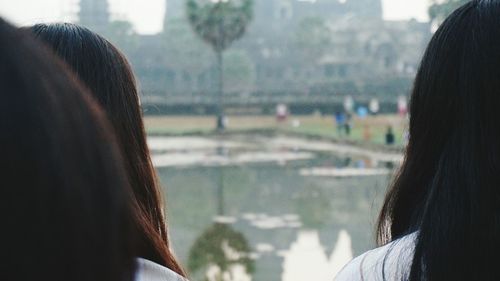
[150,271]
[391,262]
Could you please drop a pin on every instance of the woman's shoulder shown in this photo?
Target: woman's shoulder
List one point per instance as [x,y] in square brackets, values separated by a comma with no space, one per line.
[150,271]
[389,262]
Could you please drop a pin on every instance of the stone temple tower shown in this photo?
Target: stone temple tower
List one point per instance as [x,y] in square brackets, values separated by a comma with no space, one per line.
[94,14]
[175,9]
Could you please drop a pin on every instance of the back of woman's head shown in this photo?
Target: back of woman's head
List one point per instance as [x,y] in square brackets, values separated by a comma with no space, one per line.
[108,75]
[64,198]
[448,188]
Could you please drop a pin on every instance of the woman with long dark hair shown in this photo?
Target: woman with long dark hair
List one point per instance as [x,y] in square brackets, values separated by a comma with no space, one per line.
[441,217]
[106,72]
[65,203]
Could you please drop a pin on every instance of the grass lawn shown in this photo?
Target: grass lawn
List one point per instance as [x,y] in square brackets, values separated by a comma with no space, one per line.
[371,129]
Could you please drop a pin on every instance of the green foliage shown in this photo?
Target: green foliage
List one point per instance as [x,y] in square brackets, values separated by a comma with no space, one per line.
[239,72]
[183,50]
[312,39]
[209,249]
[439,10]
[220,23]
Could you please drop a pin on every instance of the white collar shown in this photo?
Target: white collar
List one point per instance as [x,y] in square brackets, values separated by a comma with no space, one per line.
[150,271]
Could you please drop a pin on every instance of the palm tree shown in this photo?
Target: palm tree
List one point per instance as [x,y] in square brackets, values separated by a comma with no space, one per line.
[219,23]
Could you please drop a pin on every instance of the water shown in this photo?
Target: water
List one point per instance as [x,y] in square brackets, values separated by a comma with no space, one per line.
[269,208]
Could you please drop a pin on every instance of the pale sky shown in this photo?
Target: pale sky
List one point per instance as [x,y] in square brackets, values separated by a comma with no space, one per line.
[147,15]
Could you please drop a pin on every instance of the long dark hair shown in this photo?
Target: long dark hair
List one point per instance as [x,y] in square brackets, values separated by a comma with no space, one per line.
[448,188]
[107,73]
[65,199]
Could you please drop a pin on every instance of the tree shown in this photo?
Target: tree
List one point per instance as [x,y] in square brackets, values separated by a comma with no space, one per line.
[220,23]
[223,247]
[439,10]
[220,246]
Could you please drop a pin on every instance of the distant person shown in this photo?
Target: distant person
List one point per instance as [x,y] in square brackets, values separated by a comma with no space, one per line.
[65,200]
[440,219]
[348,104]
[340,120]
[367,132]
[390,138]
[402,106]
[348,124]
[374,106]
[106,72]
[362,112]
[281,113]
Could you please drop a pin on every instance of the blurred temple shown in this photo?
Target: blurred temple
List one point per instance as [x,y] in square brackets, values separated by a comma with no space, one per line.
[293,51]
[175,9]
[94,14]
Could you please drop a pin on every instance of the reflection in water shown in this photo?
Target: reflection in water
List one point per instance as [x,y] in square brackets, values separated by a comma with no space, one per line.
[313,207]
[307,259]
[266,222]
[342,253]
[345,172]
[222,253]
[220,188]
[279,215]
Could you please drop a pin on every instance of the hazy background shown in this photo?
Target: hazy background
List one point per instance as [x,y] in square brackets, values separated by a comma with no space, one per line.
[147,15]
[315,97]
